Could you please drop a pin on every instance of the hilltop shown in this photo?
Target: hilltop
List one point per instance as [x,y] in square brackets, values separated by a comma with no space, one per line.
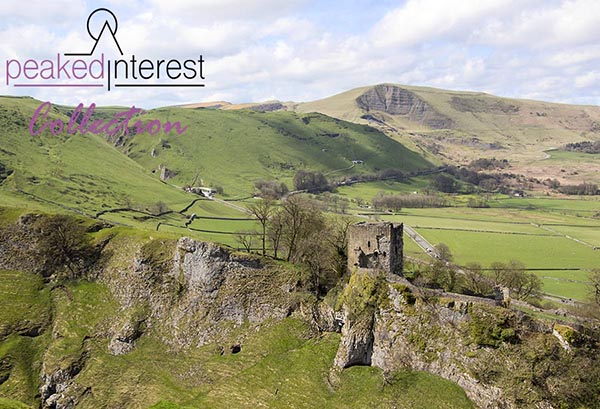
[458,126]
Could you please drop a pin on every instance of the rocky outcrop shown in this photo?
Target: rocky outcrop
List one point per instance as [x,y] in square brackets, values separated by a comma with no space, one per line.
[56,390]
[123,340]
[356,345]
[195,288]
[470,341]
[434,345]
[268,107]
[394,100]
[166,173]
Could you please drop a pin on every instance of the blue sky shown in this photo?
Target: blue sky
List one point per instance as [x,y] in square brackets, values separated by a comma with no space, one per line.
[303,50]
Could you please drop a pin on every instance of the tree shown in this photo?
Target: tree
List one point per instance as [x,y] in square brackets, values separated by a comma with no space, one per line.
[275,231]
[263,211]
[246,239]
[62,242]
[523,285]
[444,253]
[595,286]
[294,216]
[271,189]
[444,183]
[475,282]
[311,181]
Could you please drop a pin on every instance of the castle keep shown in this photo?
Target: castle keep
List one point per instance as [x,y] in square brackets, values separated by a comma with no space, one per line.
[375,246]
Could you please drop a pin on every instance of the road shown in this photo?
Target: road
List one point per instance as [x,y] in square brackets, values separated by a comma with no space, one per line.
[420,240]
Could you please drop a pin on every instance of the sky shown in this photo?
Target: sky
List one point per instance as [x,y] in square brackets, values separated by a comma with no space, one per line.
[302,50]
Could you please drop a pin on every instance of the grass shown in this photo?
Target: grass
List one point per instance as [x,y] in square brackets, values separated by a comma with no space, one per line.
[265,145]
[367,191]
[281,364]
[25,307]
[86,174]
[543,234]
[26,303]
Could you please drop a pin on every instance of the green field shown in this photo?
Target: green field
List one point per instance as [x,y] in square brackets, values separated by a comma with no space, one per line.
[538,238]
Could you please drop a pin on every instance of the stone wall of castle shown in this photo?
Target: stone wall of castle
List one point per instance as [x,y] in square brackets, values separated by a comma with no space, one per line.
[375,246]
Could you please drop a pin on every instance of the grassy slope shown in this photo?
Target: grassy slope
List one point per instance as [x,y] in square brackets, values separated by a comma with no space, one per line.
[282,365]
[235,148]
[85,174]
[79,172]
[524,134]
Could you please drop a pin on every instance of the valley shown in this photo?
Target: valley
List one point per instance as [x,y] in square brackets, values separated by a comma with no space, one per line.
[171,298]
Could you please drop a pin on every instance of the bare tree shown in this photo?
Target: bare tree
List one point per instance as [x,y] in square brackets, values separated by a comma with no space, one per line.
[275,231]
[294,215]
[262,210]
[246,239]
[595,286]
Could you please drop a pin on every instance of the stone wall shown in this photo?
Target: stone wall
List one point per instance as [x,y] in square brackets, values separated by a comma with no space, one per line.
[375,246]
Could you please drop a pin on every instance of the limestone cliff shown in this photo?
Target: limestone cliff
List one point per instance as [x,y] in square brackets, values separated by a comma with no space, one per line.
[500,357]
[395,100]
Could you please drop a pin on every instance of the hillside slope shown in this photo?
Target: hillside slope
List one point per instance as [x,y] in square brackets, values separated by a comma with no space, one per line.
[460,126]
[80,173]
[234,148]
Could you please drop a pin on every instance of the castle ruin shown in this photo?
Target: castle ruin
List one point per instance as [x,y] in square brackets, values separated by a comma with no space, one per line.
[375,246]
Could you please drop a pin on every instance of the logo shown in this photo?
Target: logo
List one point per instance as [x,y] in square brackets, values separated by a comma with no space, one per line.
[82,70]
[85,70]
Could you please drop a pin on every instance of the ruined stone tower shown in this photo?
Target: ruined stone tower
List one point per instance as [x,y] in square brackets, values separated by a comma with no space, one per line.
[375,246]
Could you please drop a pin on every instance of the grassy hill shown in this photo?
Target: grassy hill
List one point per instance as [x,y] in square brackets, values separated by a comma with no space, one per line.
[234,148]
[81,173]
[460,126]
[87,174]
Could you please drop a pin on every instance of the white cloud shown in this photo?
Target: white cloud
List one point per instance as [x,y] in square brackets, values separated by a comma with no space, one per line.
[211,10]
[257,50]
[58,11]
[426,20]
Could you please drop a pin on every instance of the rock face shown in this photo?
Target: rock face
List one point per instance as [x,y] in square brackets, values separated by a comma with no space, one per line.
[470,341]
[394,100]
[403,340]
[356,345]
[189,296]
[56,390]
[123,341]
[166,173]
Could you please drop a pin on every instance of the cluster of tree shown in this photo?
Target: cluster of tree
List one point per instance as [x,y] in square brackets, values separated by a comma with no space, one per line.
[587,189]
[513,275]
[585,147]
[473,279]
[444,183]
[271,189]
[299,232]
[552,183]
[488,182]
[55,245]
[386,174]
[313,182]
[332,203]
[487,164]
[396,202]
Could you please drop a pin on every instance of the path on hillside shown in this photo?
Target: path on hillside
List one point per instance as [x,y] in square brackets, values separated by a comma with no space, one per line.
[233,206]
[566,236]
[338,170]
